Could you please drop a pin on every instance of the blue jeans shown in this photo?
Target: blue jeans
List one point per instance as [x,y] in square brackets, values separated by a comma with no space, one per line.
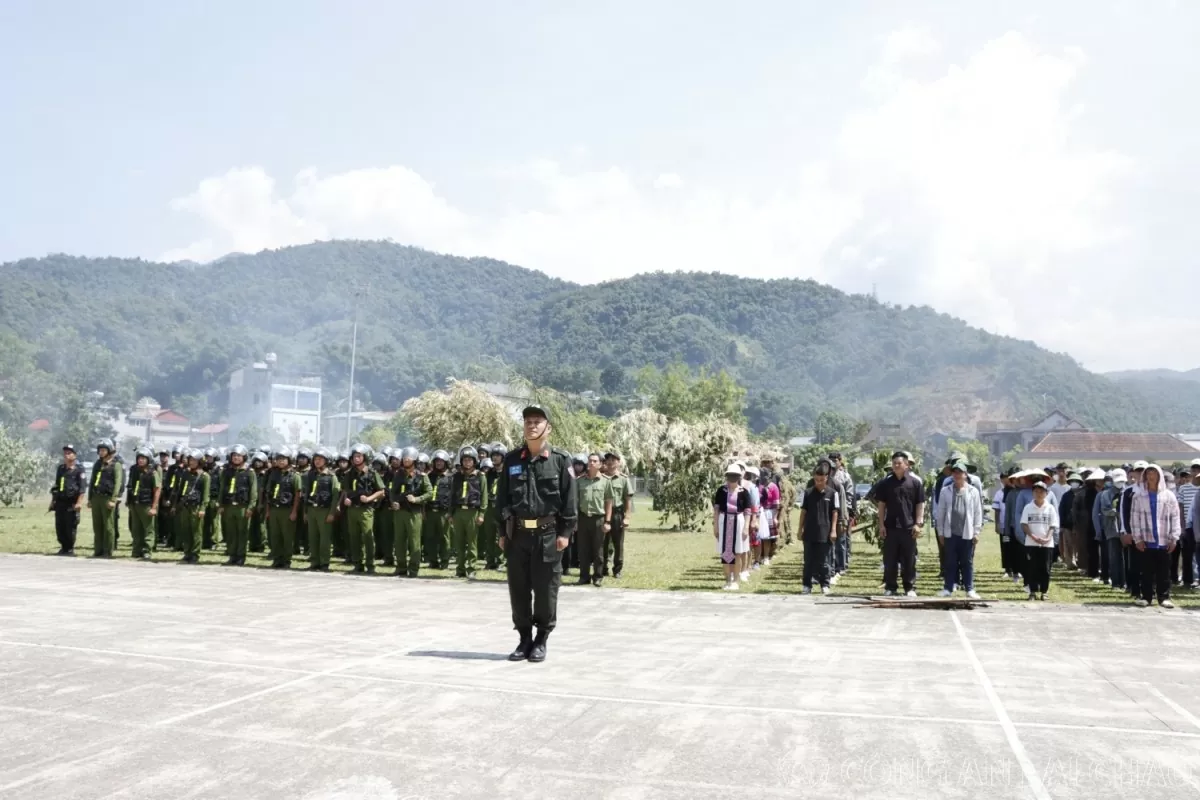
[959,559]
[841,552]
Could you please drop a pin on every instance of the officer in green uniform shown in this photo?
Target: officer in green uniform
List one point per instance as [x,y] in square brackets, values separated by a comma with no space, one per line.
[621,491]
[469,494]
[382,525]
[66,496]
[144,494]
[282,498]
[362,489]
[303,467]
[436,531]
[169,505]
[489,549]
[108,479]
[238,494]
[254,535]
[537,498]
[595,518]
[341,531]
[321,490]
[194,491]
[408,490]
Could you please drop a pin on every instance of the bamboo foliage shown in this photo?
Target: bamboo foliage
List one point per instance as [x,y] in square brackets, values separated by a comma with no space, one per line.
[461,414]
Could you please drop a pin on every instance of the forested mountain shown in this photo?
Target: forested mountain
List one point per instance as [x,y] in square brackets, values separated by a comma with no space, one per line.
[175,331]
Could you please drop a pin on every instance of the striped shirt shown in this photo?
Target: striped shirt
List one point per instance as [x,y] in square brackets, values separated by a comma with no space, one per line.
[1187,495]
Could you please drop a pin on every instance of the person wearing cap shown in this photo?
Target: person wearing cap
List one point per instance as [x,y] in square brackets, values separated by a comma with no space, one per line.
[1182,556]
[1105,521]
[900,501]
[1061,483]
[1191,533]
[1133,557]
[107,483]
[819,512]
[960,520]
[1039,523]
[1066,519]
[1020,484]
[66,498]
[731,522]
[538,504]
[1154,526]
[595,520]
[621,491]
[844,485]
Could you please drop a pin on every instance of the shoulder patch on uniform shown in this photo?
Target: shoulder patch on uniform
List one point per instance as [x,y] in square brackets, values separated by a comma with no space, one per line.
[515,469]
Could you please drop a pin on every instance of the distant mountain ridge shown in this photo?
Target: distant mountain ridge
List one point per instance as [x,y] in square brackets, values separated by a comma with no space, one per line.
[175,331]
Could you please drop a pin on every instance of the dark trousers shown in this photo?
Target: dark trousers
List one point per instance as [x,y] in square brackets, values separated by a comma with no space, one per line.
[958,566]
[165,537]
[899,553]
[66,524]
[1116,562]
[614,543]
[1156,574]
[1016,555]
[816,563]
[1006,554]
[1102,558]
[534,567]
[1093,557]
[1188,546]
[1133,570]
[1037,566]
[590,541]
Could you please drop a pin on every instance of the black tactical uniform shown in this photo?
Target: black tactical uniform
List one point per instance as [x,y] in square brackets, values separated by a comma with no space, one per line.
[536,500]
[69,484]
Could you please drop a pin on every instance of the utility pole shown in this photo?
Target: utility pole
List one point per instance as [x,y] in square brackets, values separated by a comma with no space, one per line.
[353,356]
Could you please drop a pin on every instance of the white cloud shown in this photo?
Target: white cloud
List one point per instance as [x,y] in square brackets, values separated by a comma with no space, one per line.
[962,188]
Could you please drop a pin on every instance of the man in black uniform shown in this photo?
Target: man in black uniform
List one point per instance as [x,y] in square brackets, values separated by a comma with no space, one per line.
[536,500]
[66,498]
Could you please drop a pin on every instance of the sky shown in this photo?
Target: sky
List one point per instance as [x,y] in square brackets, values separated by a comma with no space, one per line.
[1026,166]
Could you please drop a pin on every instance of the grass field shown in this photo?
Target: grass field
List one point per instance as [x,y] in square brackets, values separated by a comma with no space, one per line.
[656,558]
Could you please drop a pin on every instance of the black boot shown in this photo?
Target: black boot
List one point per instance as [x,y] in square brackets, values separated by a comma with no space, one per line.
[538,653]
[523,648]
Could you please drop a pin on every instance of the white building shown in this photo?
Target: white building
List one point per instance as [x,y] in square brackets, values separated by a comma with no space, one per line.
[151,424]
[289,404]
[334,426]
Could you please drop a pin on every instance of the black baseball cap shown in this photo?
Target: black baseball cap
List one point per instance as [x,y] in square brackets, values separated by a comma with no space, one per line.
[535,411]
[70,447]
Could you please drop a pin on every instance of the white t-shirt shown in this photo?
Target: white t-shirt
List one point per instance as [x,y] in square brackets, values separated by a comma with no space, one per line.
[1042,521]
[1058,490]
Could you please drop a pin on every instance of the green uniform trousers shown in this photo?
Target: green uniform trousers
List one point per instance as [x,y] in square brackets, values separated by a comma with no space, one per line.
[341,538]
[361,522]
[406,534]
[437,538]
[104,525]
[383,535]
[489,546]
[280,530]
[190,529]
[320,534]
[236,528]
[300,539]
[212,527]
[465,535]
[142,530]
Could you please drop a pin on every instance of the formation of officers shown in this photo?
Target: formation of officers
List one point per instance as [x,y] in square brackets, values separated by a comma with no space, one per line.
[399,506]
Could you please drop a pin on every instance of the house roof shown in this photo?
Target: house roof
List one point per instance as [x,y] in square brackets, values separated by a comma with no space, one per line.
[213,428]
[169,417]
[40,425]
[1134,445]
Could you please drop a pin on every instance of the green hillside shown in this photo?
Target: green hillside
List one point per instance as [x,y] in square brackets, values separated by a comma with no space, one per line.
[175,331]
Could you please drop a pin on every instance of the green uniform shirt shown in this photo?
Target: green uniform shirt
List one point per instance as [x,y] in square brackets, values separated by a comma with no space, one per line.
[620,491]
[361,484]
[118,472]
[312,480]
[592,492]
[140,479]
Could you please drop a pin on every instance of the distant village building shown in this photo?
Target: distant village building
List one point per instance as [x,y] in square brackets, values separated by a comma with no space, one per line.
[215,434]
[150,423]
[1106,449]
[288,404]
[1002,436]
[334,427]
[1193,439]
[884,435]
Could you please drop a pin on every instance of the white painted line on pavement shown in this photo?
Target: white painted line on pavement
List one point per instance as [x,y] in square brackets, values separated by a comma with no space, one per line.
[1180,710]
[1010,732]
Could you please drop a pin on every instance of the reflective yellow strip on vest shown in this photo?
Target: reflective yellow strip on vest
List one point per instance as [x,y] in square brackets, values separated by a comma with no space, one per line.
[137,485]
[464,493]
[313,491]
[276,494]
[96,480]
[62,482]
[173,478]
[231,480]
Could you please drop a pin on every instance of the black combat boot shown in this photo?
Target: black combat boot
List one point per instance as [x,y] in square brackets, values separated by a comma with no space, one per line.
[538,653]
[523,648]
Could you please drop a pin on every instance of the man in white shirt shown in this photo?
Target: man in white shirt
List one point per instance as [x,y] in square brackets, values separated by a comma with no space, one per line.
[1039,522]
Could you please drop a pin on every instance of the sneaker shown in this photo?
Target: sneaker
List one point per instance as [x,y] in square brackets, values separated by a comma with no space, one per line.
[766,562]
[1165,604]
[1140,603]
[944,593]
[891,593]
[1095,580]
[806,590]
[911,593]
[1016,578]
[824,590]
[731,587]
[1032,596]
[745,576]
[974,595]
[756,566]
[837,576]
[1042,597]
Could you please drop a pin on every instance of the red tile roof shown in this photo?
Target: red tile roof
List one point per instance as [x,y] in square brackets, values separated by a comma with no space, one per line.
[216,427]
[169,417]
[1131,444]
[40,425]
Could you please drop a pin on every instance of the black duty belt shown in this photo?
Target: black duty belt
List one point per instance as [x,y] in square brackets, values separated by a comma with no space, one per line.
[528,524]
